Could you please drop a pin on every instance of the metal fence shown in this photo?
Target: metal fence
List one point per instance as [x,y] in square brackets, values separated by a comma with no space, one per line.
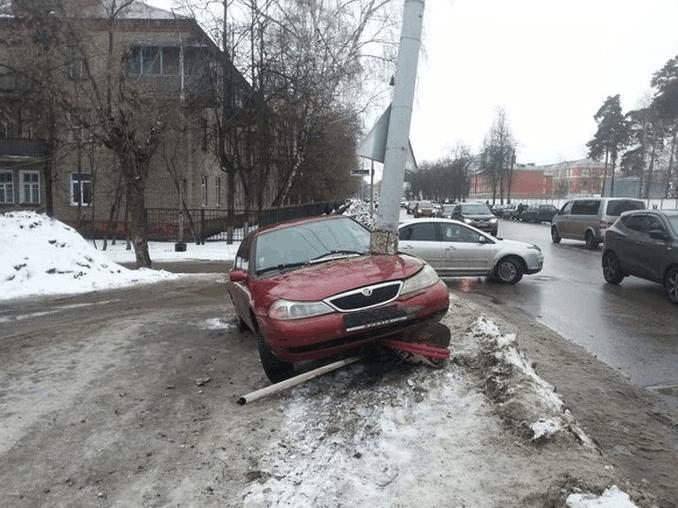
[203,224]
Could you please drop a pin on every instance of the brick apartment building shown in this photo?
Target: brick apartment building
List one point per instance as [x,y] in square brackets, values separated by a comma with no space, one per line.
[570,178]
[167,52]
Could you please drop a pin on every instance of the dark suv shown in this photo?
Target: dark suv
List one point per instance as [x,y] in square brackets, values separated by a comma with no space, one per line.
[539,213]
[477,215]
[644,243]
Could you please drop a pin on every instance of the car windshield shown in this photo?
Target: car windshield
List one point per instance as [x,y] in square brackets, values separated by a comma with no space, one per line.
[425,204]
[475,209]
[673,220]
[617,207]
[320,240]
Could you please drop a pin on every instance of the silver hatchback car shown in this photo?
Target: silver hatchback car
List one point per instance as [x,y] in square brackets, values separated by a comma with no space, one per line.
[588,218]
[456,249]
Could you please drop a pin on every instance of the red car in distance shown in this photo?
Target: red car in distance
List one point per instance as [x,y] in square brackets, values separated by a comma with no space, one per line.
[309,289]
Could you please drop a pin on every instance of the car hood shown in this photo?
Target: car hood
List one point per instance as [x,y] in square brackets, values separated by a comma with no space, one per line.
[319,281]
[514,243]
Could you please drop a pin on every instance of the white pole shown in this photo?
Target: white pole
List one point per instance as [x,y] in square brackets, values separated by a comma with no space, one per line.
[385,238]
[288,383]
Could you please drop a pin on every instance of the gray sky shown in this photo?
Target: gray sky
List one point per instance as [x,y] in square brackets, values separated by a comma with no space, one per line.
[549,63]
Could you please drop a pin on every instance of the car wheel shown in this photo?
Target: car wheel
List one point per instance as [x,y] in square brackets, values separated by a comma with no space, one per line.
[276,370]
[590,240]
[555,236]
[508,271]
[671,284]
[611,270]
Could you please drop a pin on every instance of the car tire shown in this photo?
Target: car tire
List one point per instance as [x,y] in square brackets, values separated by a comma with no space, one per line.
[555,236]
[276,370]
[590,240]
[508,270]
[671,284]
[611,270]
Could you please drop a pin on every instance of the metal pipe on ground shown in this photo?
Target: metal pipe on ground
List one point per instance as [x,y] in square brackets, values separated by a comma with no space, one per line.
[293,381]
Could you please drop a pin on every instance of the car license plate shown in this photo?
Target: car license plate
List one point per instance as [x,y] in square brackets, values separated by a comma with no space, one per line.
[373,318]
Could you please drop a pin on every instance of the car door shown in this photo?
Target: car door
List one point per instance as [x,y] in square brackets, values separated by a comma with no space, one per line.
[462,251]
[421,239]
[633,249]
[653,252]
[584,214]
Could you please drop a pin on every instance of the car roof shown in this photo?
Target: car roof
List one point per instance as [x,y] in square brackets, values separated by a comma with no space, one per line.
[671,213]
[428,219]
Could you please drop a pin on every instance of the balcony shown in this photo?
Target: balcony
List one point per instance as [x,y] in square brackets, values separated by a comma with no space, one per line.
[22,148]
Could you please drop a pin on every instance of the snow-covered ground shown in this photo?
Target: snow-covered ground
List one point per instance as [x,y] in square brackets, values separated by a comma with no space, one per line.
[41,256]
[457,436]
[164,251]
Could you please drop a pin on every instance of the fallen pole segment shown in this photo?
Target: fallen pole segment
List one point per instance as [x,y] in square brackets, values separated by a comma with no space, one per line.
[293,381]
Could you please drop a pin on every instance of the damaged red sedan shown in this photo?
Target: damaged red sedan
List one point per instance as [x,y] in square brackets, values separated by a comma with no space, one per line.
[309,289]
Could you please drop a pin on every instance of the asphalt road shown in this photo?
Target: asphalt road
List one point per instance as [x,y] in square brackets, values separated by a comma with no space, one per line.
[632,326]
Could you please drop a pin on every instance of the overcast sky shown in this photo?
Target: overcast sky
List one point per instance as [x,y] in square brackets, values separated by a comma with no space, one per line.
[549,63]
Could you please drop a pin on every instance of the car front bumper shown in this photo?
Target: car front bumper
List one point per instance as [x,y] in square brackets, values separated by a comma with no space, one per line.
[322,336]
[488,227]
[534,261]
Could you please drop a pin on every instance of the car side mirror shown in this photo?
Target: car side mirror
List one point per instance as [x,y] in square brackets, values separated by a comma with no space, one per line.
[658,234]
[237,276]
[482,239]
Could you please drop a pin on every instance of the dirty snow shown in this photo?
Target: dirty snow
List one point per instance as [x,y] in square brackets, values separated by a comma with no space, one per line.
[41,256]
[611,498]
[216,324]
[164,251]
[517,380]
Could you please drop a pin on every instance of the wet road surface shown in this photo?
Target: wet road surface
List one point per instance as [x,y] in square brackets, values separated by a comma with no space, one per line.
[632,326]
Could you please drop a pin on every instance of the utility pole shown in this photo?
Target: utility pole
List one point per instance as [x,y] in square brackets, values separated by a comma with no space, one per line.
[385,237]
[371,188]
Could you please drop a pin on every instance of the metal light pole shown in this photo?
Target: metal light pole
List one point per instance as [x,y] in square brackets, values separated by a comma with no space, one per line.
[385,237]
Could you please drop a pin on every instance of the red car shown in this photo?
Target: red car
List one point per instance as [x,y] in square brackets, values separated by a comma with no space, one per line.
[310,289]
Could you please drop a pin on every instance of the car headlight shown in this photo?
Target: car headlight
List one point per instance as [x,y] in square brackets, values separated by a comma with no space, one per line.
[468,221]
[534,247]
[493,221]
[285,309]
[426,277]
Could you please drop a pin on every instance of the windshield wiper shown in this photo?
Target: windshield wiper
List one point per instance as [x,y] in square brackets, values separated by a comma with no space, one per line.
[281,266]
[340,251]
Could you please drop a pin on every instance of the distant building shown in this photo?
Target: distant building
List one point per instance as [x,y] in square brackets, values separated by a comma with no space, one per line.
[530,181]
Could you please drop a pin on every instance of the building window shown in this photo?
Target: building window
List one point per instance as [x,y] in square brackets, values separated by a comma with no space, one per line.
[154,61]
[203,190]
[30,187]
[81,189]
[218,191]
[6,187]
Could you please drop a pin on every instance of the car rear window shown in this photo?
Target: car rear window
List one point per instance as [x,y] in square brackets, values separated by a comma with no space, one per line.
[475,209]
[586,207]
[619,206]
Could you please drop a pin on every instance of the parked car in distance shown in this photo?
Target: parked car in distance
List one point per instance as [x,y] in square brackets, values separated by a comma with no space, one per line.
[539,214]
[507,212]
[424,209]
[588,218]
[457,249]
[477,215]
[446,211]
[309,289]
[411,207]
[404,204]
[644,244]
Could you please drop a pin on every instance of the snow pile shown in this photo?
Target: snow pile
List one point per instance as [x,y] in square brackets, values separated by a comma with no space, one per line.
[352,442]
[40,255]
[360,211]
[216,324]
[611,498]
[525,399]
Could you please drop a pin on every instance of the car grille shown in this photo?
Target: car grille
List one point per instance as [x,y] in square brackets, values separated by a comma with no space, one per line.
[366,297]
